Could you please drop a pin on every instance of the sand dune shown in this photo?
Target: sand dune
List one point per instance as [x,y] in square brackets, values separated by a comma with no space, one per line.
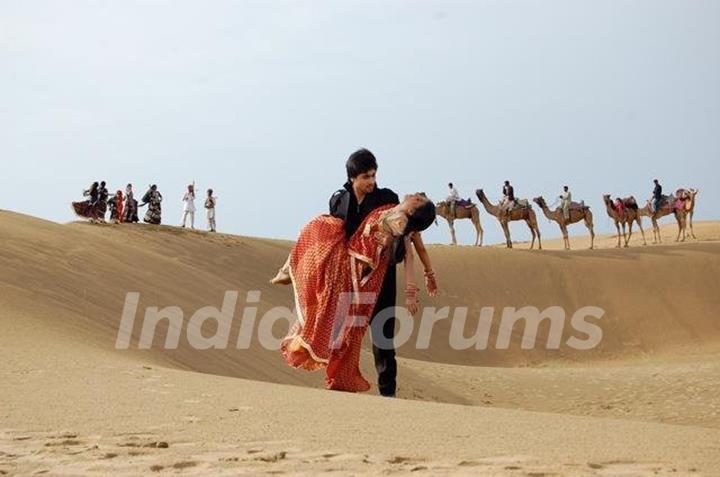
[644,401]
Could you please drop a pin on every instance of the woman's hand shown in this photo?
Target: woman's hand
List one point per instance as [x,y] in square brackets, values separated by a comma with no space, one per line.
[411,298]
[431,283]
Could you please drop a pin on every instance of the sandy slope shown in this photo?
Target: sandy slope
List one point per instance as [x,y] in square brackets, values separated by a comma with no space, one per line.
[645,400]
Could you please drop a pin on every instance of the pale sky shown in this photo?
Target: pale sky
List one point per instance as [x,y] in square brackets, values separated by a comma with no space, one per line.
[264,100]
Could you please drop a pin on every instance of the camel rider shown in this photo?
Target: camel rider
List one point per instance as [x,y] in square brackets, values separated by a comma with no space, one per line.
[565,200]
[508,197]
[453,199]
[620,207]
[657,196]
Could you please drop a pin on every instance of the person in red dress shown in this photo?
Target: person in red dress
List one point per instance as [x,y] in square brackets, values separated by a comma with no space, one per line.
[620,207]
[336,283]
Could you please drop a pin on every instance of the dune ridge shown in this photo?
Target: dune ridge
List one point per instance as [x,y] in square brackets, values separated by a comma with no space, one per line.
[654,374]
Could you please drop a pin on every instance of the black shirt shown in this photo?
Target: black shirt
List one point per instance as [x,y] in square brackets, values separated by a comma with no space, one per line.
[657,192]
[509,192]
[344,205]
[94,194]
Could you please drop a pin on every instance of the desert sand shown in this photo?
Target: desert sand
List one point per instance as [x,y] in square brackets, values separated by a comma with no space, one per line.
[643,402]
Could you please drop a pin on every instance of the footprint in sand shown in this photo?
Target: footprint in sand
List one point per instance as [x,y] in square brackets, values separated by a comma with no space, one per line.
[157,445]
[138,434]
[273,457]
[65,435]
[177,466]
[151,444]
[401,460]
[64,443]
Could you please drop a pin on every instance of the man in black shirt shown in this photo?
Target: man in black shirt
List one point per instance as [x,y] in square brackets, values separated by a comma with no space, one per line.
[657,196]
[359,196]
[508,197]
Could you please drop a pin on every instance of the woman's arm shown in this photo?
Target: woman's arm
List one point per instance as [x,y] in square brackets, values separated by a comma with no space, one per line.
[430,282]
[411,289]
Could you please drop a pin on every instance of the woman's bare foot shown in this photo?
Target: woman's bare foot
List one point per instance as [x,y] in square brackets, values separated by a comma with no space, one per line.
[282,278]
[295,345]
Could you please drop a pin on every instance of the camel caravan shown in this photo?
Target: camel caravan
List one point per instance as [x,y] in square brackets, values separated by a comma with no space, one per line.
[624,212]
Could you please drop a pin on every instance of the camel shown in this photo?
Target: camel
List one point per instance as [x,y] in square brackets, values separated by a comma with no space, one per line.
[679,213]
[442,209]
[525,213]
[578,212]
[630,216]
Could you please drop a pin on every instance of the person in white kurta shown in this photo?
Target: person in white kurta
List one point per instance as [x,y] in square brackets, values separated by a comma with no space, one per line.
[565,199]
[189,206]
[210,202]
[453,198]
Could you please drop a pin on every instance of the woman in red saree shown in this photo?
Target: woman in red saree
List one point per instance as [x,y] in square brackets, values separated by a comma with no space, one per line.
[116,207]
[336,284]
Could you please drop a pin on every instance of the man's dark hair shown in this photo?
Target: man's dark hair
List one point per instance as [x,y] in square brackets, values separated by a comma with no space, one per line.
[655,180]
[507,182]
[422,218]
[360,162]
[450,184]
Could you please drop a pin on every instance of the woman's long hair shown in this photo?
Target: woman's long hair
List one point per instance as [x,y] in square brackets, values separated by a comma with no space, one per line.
[422,218]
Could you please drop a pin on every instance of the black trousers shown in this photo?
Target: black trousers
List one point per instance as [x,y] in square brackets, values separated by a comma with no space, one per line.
[382,333]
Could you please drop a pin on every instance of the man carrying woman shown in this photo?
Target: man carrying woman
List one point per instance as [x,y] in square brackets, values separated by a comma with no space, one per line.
[352,253]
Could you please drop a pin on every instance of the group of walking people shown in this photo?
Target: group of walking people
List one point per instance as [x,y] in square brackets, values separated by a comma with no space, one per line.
[123,206]
[189,208]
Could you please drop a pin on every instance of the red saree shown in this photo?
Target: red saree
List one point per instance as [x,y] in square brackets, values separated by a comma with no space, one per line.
[328,280]
[120,206]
